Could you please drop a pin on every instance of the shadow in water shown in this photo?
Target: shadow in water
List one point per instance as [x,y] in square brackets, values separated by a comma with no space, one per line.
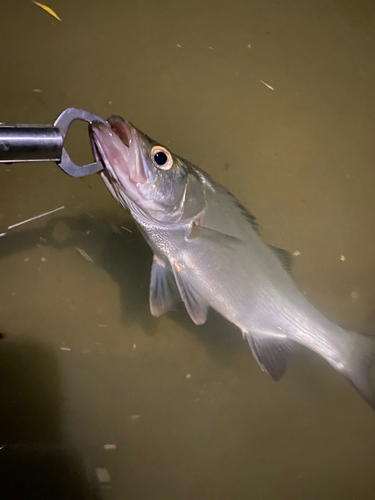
[34,464]
[119,248]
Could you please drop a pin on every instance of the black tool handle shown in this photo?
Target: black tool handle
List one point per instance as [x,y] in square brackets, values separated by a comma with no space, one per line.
[24,143]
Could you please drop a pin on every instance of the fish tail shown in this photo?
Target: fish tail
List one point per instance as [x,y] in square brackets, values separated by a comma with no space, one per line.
[358,368]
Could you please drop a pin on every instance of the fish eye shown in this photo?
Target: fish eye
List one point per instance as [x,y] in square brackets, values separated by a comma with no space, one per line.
[161,158]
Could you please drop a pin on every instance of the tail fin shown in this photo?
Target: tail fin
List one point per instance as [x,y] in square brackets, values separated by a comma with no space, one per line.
[360,363]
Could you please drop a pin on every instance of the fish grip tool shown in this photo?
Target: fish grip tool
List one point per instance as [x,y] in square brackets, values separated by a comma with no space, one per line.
[31,143]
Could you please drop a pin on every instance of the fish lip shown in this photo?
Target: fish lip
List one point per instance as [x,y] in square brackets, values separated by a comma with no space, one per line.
[106,147]
[122,128]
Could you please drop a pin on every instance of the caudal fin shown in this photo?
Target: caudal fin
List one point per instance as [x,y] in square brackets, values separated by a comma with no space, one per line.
[359,366]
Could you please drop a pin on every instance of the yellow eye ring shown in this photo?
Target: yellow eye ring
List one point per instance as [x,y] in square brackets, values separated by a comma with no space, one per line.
[161,158]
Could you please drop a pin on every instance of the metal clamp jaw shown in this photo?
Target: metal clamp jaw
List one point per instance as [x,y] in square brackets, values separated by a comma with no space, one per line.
[30,143]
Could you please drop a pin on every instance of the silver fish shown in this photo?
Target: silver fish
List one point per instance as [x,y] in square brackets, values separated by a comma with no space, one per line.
[208,253]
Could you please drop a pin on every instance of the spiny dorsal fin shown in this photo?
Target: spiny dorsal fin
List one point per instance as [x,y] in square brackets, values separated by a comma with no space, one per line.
[250,217]
[208,181]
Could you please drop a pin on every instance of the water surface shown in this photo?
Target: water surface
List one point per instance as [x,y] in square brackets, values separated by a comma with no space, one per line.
[84,364]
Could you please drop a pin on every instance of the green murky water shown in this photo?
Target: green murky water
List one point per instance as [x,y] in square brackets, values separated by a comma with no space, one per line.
[84,365]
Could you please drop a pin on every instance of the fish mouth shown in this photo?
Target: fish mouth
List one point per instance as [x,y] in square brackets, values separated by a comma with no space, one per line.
[116,145]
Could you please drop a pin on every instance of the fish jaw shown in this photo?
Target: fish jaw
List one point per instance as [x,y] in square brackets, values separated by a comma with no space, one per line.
[115,144]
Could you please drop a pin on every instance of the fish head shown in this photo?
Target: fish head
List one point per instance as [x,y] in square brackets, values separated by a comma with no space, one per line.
[144,176]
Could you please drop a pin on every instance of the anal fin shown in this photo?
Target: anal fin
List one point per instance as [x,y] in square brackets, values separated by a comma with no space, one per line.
[271,353]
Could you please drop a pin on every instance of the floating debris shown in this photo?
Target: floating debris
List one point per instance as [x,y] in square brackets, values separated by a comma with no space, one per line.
[48,10]
[126,229]
[134,346]
[84,254]
[65,348]
[249,46]
[110,447]
[266,84]
[178,45]
[43,259]
[211,48]
[26,259]
[188,375]
[34,218]
[2,234]
[296,253]
[135,417]
[342,258]
[37,91]
[354,296]
[102,475]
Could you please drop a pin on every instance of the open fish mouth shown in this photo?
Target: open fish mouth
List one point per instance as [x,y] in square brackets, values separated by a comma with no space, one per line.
[116,145]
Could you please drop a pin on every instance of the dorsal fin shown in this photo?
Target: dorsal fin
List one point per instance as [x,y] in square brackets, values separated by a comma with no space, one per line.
[228,197]
[285,257]
[250,217]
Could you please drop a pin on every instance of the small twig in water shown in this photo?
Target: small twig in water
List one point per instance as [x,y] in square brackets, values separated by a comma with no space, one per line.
[84,254]
[33,218]
[266,84]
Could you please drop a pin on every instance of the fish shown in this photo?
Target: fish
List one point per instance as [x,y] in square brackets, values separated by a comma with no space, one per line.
[207,253]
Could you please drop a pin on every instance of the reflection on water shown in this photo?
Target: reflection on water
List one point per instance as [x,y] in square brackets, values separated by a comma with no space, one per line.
[34,460]
[186,411]
[122,253]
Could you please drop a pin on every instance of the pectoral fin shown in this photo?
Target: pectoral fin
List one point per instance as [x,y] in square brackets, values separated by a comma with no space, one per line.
[195,305]
[199,232]
[164,294]
[271,353]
